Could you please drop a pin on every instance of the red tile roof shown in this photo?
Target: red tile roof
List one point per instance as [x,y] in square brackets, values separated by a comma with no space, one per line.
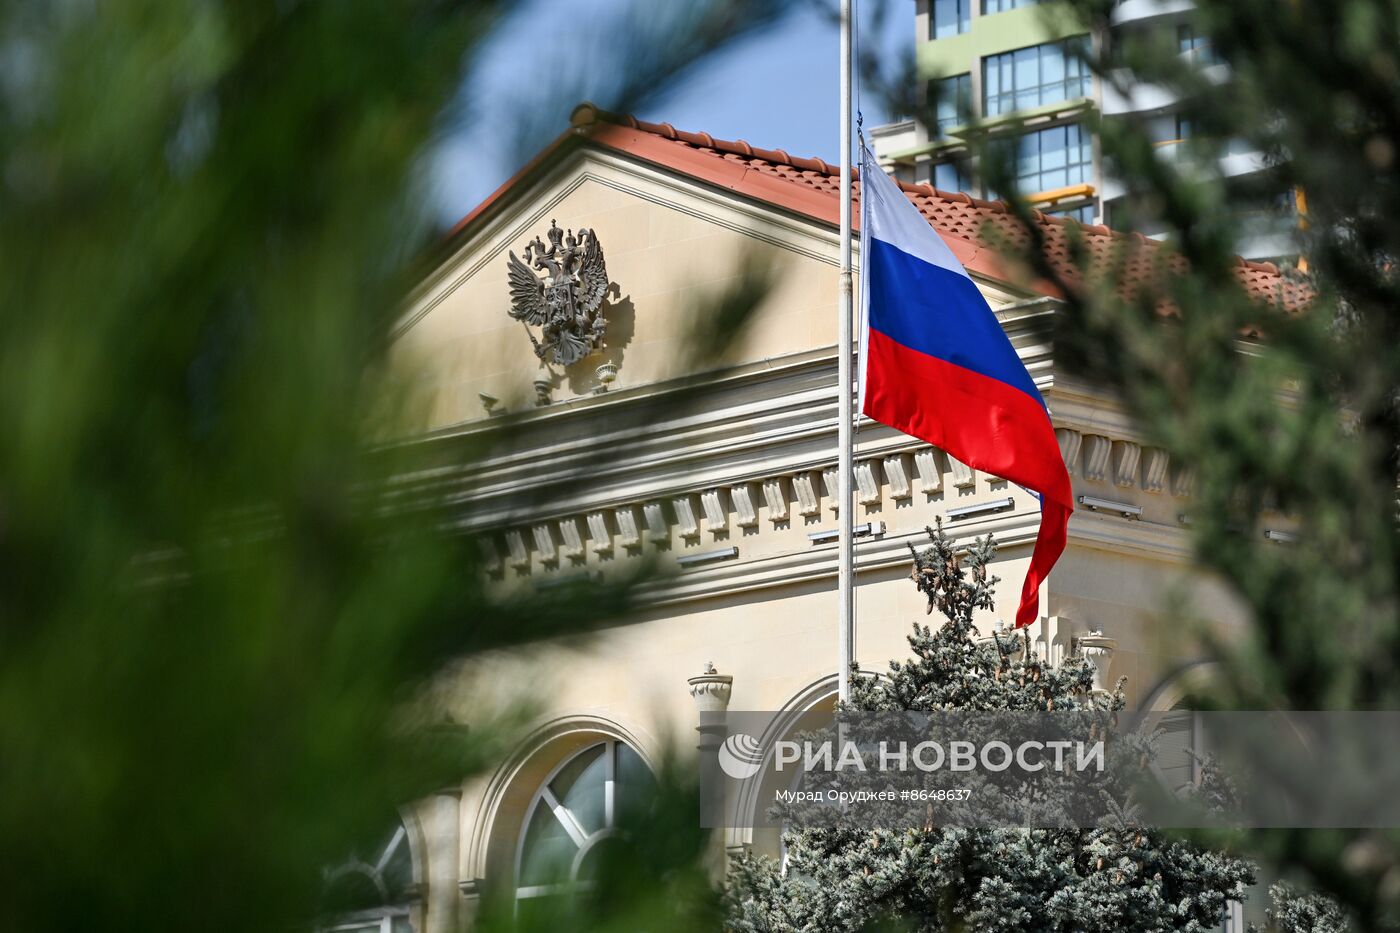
[810,187]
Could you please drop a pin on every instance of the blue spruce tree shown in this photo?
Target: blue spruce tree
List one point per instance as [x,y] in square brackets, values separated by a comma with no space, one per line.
[1117,879]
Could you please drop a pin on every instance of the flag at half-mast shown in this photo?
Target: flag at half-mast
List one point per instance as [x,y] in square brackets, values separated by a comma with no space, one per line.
[936,364]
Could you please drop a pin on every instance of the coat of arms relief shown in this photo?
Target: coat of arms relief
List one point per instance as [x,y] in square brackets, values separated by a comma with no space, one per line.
[566,303]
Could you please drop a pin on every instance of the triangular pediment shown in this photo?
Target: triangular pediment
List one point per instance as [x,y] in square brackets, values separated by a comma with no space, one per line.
[672,245]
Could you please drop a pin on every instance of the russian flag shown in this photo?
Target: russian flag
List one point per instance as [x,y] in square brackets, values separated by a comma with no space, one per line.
[935,364]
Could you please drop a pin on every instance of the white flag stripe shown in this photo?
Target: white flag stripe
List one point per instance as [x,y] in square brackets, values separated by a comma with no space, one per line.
[894,219]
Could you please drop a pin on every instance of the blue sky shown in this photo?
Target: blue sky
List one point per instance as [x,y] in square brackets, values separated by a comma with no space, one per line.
[776,89]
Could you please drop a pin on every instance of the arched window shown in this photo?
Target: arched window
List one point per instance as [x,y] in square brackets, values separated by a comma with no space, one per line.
[1179,748]
[373,891]
[1183,738]
[574,814]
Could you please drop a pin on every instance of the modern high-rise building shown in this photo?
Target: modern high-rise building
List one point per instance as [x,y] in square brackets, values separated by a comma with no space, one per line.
[1013,69]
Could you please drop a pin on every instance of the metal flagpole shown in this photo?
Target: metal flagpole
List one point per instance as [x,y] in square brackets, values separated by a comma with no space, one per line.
[844,470]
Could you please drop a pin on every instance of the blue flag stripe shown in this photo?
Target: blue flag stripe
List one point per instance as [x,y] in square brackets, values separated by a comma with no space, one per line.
[939,313]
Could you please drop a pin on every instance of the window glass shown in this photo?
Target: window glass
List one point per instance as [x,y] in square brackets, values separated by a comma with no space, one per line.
[634,781]
[1034,76]
[1084,213]
[951,176]
[1001,6]
[548,849]
[1053,158]
[949,18]
[1194,46]
[1025,75]
[579,788]
[954,101]
[1174,748]
[1053,70]
[574,819]
[373,888]
[1167,128]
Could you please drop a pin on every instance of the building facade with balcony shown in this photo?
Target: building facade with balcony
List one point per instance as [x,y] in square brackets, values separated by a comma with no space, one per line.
[1012,72]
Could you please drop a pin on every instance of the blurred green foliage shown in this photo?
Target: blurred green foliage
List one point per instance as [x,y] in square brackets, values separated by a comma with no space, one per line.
[212,630]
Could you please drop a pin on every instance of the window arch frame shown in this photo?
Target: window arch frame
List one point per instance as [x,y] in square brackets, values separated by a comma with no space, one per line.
[584,841]
[406,907]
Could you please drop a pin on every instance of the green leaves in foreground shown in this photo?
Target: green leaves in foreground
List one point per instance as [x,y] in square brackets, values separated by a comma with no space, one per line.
[213,619]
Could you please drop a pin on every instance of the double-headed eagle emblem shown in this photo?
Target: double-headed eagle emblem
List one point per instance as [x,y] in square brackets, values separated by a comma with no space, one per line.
[567,304]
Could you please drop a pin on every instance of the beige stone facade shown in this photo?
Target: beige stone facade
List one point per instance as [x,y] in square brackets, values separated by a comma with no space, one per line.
[725,481]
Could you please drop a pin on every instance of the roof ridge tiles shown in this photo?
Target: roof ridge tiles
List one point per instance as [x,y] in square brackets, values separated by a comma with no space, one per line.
[586,114]
[955,213]
[1258,265]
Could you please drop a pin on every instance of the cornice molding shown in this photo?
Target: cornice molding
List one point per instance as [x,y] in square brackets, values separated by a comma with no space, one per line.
[1013,531]
[782,408]
[715,509]
[747,452]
